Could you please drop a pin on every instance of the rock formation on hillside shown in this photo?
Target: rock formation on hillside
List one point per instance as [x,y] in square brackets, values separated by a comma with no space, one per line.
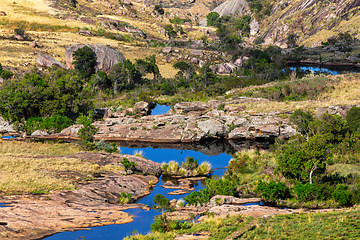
[48,62]
[230,7]
[313,21]
[106,57]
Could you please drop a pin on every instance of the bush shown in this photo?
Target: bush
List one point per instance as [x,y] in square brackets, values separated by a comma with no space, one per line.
[55,123]
[87,132]
[353,119]
[204,168]
[110,148]
[125,198]
[6,74]
[128,165]
[342,195]
[272,190]
[307,192]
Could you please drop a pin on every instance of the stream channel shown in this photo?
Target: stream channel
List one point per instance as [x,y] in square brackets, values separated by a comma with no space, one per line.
[142,219]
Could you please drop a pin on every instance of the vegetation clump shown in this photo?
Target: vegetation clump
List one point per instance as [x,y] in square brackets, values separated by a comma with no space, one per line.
[189,168]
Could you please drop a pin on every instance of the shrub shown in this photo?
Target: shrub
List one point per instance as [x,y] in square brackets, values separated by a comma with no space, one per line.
[272,190]
[190,163]
[159,9]
[55,123]
[87,132]
[6,74]
[353,118]
[342,195]
[128,165]
[125,198]
[307,192]
[110,148]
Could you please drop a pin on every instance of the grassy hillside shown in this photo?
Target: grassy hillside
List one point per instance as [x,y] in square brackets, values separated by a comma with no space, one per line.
[342,224]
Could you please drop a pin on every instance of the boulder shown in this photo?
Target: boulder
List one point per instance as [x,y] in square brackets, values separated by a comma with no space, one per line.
[186,107]
[195,60]
[238,62]
[167,50]
[1,80]
[223,69]
[213,128]
[19,38]
[254,27]
[33,44]
[213,68]
[143,165]
[102,113]
[143,108]
[199,53]
[106,57]
[2,13]
[87,20]
[201,63]
[221,199]
[48,62]
[187,24]
[85,33]
[197,44]
[5,126]
[39,133]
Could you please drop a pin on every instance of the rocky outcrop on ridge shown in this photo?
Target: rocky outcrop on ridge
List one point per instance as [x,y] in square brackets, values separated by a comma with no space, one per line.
[231,7]
[106,57]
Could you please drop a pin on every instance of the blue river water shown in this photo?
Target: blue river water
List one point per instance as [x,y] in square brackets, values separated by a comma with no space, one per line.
[144,218]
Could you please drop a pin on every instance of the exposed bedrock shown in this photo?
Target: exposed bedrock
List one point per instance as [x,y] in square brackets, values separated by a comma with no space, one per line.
[95,202]
[190,122]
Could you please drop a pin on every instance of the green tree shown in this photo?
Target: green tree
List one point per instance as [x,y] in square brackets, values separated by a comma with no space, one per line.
[87,132]
[159,9]
[186,69]
[84,61]
[302,119]
[161,203]
[353,119]
[170,32]
[211,18]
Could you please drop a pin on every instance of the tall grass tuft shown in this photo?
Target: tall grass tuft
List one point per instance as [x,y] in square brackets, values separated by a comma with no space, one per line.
[173,166]
[204,168]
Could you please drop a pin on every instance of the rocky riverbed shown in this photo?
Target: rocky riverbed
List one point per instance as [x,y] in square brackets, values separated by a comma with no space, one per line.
[188,123]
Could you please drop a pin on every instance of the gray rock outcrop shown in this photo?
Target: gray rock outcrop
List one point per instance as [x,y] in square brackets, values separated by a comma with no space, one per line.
[106,57]
[254,27]
[48,62]
[6,127]
[231,7]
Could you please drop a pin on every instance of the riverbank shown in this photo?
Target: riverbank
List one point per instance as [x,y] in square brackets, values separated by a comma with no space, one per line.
[82,190]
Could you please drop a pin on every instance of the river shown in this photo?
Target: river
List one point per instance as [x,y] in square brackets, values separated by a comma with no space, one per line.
[144,218]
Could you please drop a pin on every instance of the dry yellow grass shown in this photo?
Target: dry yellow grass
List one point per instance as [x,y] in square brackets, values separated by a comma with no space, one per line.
[27,174]
[25,169]
[346,92]
[37,148]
